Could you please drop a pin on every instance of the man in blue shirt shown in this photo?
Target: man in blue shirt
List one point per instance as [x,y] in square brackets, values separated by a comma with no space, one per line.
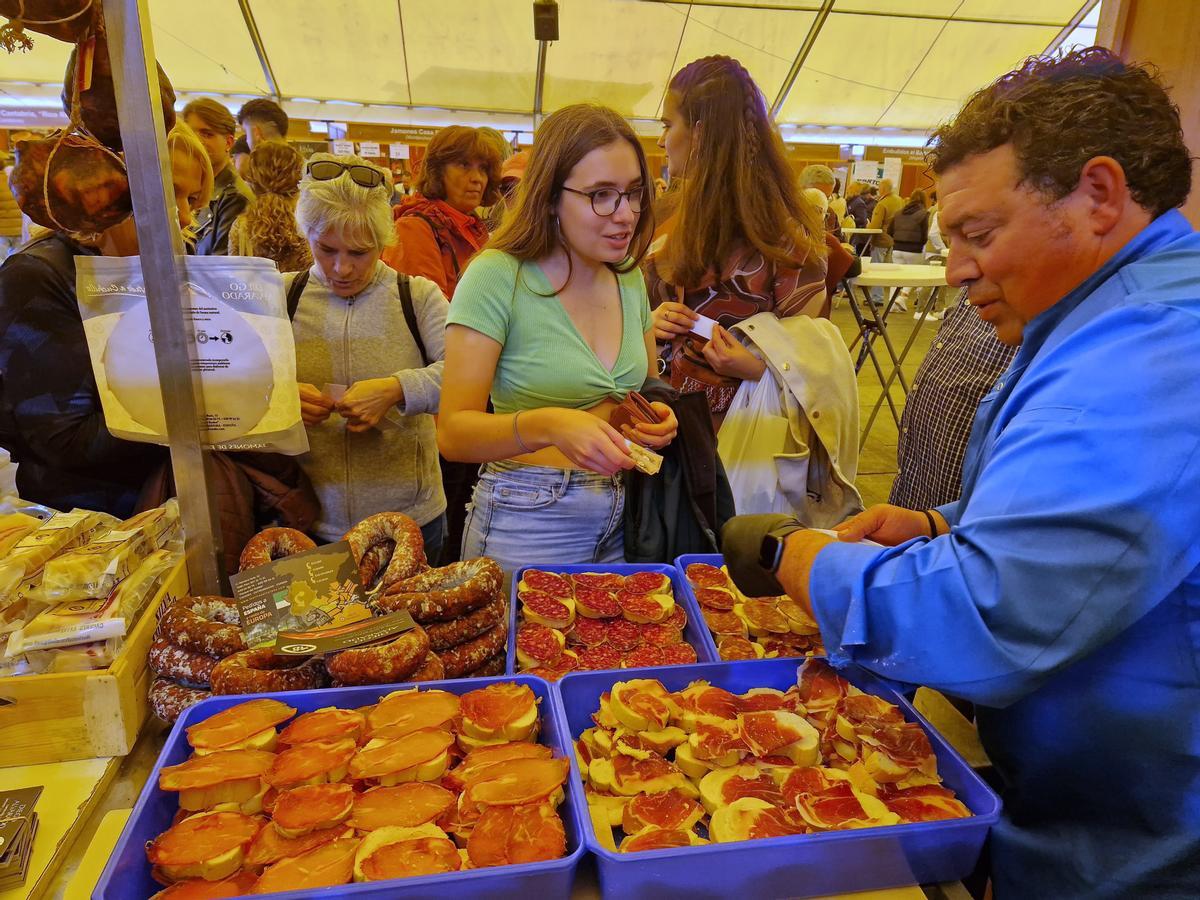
[1061,592]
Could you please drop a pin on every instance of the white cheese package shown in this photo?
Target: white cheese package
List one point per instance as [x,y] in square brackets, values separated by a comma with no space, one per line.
[241,346]
[86,621]
[93,570]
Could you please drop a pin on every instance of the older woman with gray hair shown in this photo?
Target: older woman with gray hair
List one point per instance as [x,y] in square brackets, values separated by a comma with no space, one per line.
[369,347]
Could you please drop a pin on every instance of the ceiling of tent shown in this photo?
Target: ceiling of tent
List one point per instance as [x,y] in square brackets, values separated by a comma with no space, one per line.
[897,64]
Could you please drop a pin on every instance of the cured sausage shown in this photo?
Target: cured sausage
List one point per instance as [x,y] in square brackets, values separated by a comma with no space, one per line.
[444,635]
[273,543]
[397,536]
[440,595]
[168,700]
[491,667]
[471,656]
[261,671]
[181,666]
[430,670]
[208,625]
[382,664]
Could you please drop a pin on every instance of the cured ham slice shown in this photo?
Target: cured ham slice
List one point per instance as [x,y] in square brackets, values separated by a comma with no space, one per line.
[230,727]
[199,889]
[311,764]
[478,760]
[517,783]
[641,704]
[661,839]
[404,713]
[820,688]
[506,835]
[406,806]
[503,710]
[270,846]
[401,758]
[664,809]
[312,808]
[215,768]
[750,818]
[928,803]
[329,724]
[405,853]
[763,617]
[209,845]
[325,866]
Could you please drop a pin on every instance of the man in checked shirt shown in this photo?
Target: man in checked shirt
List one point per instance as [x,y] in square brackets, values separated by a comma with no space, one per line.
[961,366]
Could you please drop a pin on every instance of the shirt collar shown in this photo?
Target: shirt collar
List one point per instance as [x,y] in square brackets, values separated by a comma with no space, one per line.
[1167,228]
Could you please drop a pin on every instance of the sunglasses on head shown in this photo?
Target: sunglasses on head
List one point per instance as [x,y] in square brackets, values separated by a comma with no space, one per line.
[328,169]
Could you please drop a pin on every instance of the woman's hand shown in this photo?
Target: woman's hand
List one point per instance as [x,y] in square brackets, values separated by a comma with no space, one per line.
[654,436]
[584,439]
[366,402]
[315,407]
[726,355]
[886,524]
[671,319]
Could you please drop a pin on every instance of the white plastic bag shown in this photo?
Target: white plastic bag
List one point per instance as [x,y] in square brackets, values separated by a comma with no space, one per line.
[245,354]
[755,430]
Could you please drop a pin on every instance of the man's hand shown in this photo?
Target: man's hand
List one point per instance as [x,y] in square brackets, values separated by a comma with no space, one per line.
[726,355]
[366,402]
[888,525]
[800,549]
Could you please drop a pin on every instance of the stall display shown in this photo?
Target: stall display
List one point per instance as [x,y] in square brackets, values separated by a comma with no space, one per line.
[600,617]
[768,778]
[747,628]
[204,648]
[402,793]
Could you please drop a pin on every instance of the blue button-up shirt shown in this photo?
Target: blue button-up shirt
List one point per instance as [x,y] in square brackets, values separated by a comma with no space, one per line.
[1065,602]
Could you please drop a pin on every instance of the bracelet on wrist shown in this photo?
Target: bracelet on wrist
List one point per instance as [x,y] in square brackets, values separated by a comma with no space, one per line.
[933,528]
[517,433]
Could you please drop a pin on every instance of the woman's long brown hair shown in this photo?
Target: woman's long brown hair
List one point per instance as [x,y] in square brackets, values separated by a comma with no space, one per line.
[738,188]
[530,230]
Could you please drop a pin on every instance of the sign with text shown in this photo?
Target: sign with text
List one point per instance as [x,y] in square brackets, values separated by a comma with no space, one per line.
[369,148]
[398,151]
[342,148]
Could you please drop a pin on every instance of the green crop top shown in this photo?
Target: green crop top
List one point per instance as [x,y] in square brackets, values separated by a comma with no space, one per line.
[545,361]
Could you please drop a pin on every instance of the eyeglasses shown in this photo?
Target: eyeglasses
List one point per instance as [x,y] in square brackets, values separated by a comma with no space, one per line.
[329,169]
[606,201]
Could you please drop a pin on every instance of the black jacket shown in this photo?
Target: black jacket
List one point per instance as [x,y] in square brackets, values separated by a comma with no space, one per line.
[230,199]
[910,229]
[51,420]
[683,508]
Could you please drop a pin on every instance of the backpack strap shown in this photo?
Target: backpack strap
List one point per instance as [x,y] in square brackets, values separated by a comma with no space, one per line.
[410,315]
[295,289]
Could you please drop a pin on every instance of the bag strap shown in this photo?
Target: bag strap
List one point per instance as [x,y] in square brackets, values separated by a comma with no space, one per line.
[295,289]
[410,314]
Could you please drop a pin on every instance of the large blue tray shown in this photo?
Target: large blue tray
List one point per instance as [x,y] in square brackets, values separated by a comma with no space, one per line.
[681,564]
[127,875]
[798,866]
[695,633]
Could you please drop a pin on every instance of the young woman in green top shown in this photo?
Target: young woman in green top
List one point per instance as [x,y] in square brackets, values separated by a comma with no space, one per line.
[553,323]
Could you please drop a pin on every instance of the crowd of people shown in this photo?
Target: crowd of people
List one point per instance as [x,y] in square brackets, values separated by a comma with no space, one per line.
[489,328]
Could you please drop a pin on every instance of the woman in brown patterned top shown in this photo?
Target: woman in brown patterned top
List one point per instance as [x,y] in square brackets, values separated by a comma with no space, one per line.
[740,241]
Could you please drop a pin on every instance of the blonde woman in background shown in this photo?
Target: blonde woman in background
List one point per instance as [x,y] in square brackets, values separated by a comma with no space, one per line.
[268,226]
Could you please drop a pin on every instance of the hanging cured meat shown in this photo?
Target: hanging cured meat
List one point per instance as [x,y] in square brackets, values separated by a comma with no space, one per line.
[71,183]
[66,20]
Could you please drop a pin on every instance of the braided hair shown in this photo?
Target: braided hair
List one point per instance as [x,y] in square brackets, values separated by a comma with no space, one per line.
[738,187]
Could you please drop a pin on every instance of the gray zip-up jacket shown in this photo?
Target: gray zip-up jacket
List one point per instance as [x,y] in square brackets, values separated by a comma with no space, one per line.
[394,466]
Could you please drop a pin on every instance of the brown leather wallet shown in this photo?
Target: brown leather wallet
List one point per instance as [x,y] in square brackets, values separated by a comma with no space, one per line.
[633,409]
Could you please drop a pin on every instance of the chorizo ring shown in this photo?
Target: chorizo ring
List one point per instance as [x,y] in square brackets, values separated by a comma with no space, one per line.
[273,543]
[207,625]
[388,536]
[381,664]
[168,700]
[490,667]
[441,595]
[179,665]
[444,635]
[262,671]
[430,670]
[467,658]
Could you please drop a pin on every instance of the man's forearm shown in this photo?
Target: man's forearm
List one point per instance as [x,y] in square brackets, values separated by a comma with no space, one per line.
[800,551]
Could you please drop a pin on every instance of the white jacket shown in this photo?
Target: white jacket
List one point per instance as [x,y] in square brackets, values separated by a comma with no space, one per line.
[815,456]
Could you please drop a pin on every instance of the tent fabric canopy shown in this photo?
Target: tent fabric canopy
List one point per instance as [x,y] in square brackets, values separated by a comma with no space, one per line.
[895,64]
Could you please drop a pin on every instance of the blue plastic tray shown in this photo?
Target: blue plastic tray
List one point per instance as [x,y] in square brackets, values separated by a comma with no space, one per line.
[681,564]
[800,866]
[695,633]
[127,874]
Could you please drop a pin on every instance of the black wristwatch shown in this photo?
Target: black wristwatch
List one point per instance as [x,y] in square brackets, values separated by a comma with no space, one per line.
[770,553]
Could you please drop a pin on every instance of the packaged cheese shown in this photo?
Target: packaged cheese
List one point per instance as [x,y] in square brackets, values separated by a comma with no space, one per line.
[35,549]
[82,621]
[93,570]
[13,527]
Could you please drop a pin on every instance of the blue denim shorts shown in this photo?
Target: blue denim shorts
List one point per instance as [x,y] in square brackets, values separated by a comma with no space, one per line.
[523,514]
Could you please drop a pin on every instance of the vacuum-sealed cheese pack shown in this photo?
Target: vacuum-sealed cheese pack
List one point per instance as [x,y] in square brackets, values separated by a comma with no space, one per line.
[93,570]
[96,619]
[240,343]
[36,548]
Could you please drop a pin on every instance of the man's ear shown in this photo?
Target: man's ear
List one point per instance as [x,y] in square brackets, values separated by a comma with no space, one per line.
[229,141]
[1103,188]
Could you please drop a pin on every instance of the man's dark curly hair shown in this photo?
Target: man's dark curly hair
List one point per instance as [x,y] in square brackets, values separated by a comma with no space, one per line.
[1059,112]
